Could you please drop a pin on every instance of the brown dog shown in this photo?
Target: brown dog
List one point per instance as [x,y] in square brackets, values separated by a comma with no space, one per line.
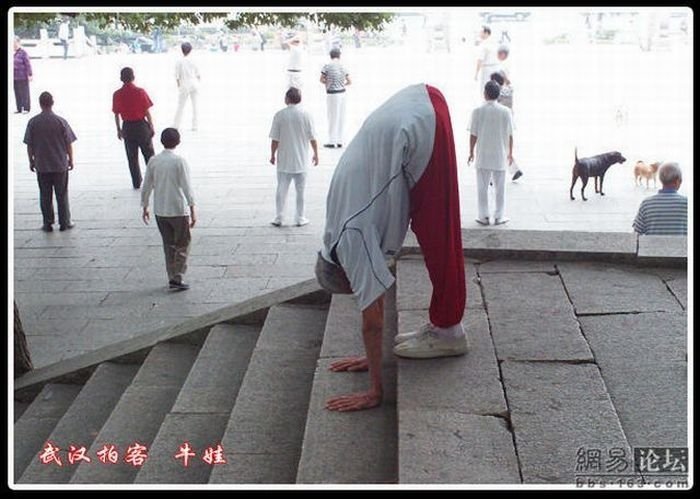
[642,170]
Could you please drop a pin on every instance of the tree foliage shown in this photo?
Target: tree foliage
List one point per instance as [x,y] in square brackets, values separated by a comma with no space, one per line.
[147,21]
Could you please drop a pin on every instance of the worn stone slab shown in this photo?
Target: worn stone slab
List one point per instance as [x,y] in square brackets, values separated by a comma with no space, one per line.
[469,384]
[19,408]
[199,431]
[605,288]
[538,336]
[38,421]
[271,408]
[449,447]
[642,358]
[83,420]
[513,266]
[549,242]
[679,287]
[167,364]
[295,327]
[524,292]
[557,409]
[141,411]
[213,382]
[662,247]
[352,447]
[414,288]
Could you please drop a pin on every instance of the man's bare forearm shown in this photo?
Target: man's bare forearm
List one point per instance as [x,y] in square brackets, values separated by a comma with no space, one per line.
[372,327]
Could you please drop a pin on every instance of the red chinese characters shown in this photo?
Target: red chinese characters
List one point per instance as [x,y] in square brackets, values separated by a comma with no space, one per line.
[76,454]
[214,455]
[50,454]
[108,454]
[185,453]
[136,454]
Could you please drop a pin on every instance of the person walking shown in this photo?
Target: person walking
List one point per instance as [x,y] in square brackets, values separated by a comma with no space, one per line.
[168,176]
[295,63]
[400,169]
[492,131]
[132,104]
[335,78]
[49,140]
[63,35]
[486,62]
[292,131]
[22,70]
[187,77]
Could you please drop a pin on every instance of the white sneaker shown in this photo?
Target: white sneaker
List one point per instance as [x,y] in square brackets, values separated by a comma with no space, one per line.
[277,222]
[401,337]
[501,221]
[302,221]
[431,345]
[482,221]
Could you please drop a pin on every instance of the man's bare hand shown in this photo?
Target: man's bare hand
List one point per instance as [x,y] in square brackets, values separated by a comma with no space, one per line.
[354,401]
[315,160]
[272,160]
[119,134]
[351,364]
[471,158]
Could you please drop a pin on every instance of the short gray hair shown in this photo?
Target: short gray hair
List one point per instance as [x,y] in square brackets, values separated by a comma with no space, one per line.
[670,172]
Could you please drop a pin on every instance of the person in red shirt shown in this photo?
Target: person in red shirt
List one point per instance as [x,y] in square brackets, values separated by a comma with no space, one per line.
[136,128]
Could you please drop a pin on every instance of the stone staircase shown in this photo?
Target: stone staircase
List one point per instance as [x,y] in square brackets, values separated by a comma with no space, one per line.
[509,412]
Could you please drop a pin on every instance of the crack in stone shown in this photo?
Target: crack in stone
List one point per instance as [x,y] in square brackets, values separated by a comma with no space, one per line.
[550,361]
[665,281]
[632,312]
[509,425]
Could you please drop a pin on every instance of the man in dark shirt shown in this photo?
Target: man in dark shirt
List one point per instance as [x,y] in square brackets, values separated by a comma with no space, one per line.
[49,141]
[132,103]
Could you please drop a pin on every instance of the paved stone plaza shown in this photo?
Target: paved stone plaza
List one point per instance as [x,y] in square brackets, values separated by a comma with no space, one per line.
[105,281]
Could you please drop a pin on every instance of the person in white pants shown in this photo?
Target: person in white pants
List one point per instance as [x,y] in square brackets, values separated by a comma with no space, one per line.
[295,64]
[187,77]
[335,78]
[292,131]
[492,128]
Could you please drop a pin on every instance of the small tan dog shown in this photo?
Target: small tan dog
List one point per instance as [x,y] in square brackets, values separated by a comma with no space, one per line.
[642,170]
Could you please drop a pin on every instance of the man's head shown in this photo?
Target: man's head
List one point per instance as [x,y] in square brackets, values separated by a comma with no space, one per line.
[498,78]
[670,175]
[46,100]
[332,277]
[293,96]
[492,90]
[186,48]
[126,75]
[170,138]
[17,45]
[485,32]
[335,53]
[503,52]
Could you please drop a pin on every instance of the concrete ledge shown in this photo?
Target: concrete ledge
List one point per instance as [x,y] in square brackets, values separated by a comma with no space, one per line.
[658,250]
[617,247]
[81,367]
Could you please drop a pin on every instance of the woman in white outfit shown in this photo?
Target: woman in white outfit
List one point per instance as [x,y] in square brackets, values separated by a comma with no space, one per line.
[187,77]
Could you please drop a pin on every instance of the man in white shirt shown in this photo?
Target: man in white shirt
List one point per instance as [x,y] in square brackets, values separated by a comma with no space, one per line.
[487,62]
[187,78]
[295,64]
[335,78]
[492,129]
[400,168]
[292,131]
[168,176]
[63,35]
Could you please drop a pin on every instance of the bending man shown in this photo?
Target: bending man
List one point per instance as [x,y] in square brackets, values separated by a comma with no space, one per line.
[400,168]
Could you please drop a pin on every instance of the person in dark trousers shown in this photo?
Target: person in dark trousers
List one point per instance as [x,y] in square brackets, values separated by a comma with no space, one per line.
[168,176]
[49,141]
[132,104]
[22,77]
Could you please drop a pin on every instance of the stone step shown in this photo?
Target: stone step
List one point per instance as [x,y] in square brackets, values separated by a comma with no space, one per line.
[38,421]
[20,407]
[263,439]
[452,413]
[202,408]
[350,447]
[561,414]
[139,414]
[83,420]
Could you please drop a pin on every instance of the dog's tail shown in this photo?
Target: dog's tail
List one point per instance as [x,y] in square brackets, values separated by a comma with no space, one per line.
[575,155]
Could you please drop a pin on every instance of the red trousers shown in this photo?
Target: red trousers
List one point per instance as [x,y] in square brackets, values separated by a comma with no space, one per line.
[435,221]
